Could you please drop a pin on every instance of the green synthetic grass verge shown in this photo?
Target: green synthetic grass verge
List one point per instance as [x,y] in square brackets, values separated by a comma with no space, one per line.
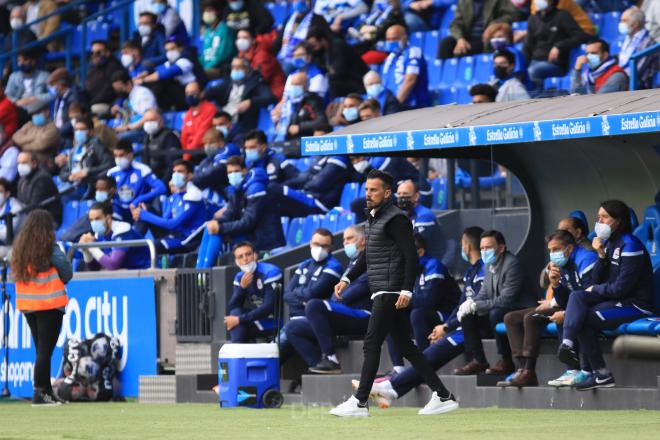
[197,421]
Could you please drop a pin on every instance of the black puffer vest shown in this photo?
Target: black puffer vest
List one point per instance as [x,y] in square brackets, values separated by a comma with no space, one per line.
[384,259]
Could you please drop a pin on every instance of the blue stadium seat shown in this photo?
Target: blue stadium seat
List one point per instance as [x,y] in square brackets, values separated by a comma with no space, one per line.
[597,20]
[348,194]
[610,28]
[83,207]
[447,18]
[649,235]
[363,190]
[463,95]
[329,221]
[439,188]
[431,43]
[69,215]
[519,26]
[310,224]
[345,220]
[279,11]
[294,236]
[417,39]
[652,215]
[449,72]
[448,95]
[634,222]
[645,326]
[214,83]
[483,68]
[435,74]
[465,70]
[566,82]
[552,83]
[616,45]
[304,163]
[285,225]
[265,123]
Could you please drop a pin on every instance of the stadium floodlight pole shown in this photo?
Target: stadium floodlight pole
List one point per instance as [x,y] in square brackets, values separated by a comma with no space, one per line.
[5,336]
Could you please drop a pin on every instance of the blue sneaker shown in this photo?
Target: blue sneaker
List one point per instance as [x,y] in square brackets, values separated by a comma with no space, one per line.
[596,380]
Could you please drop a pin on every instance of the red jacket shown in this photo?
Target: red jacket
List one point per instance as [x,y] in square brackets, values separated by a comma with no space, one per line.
[8,116]
[263,61]
[195,125]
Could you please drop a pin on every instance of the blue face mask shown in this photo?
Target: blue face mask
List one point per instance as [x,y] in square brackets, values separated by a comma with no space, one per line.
[39,119]
[298,63]
[375,90]
[158,8]
[237,75]
[296,92]
[80,137]
[593,59]
[236,6]
[252,155]
[488,256]
[222,129]
[558,258]
[351,114]
[300,7]
[101,196]
[465,256]
[98,227]
[392,46]
[178,180]
[351,250]
[235,178]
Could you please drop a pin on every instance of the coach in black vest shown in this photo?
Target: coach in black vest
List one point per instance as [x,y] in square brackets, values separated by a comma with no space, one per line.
[391,263]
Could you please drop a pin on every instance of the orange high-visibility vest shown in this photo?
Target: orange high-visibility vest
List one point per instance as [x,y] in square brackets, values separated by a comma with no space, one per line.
[45,291]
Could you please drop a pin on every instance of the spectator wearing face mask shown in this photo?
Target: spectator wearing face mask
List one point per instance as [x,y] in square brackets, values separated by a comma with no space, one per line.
[499,37]
[575,10]
[223,122]
[134,101]
[259,155]
[211,173]
[373,84]
[132,59]
[602,74]
[36,185]
[404,71]
[169,79]
[347,112]
[151,39]
[197,119]
[103,133]
[637,39]
[8,114]
[98,82]
[369,109]
[509,88]
[66,93]
[135,182]
[170,20]
[300,112]
[301,61]
[39,136]
[249,213]
[248,14]
[8,205]
[218,41]
[258,52]
[159,140]
[242,95]
[27,87]
[16,21]
[35,9]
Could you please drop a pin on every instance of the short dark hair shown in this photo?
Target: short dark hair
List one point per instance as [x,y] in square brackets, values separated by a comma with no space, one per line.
[383,176]
[29,54]
[236,160]
[222,114]
[120,76]
[497,235]
[101,42]
[484,89]
[151,15]
[510,57]
[241,244]
[257,135]
[420,242]
[355,96]
[124,145]
[323,232]
[324,127]
[80,106]
[304,45]
[104,207]
[130,44]
[621,212]
[604,45]
[183,162]
[577,223]
[562,235]
[473,235]
[112,183]
[5,184]
[370,103]
[318,32]
[87,121]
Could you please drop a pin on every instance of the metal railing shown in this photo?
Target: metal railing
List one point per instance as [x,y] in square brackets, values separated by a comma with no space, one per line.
[113,244]
[195,305]
[633,63]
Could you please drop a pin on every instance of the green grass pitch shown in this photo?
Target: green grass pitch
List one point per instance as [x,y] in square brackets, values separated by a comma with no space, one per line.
[19,420]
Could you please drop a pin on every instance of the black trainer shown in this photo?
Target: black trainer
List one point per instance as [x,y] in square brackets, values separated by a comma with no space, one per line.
[43,399]
[326,366]
[569,356]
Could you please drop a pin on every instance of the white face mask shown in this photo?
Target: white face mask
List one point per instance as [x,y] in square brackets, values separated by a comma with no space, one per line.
[151,127]
[250,267]
[172,55]
[122,162]
[319,253]
[16,23]
[144,30]
[24,169]
[242,44]
[361,166]
[602,230]
[3,198]
[126,60]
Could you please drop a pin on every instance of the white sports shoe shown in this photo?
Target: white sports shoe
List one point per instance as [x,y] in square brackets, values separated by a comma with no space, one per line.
[438,405]
[381,393]
[350,408]
[565,380]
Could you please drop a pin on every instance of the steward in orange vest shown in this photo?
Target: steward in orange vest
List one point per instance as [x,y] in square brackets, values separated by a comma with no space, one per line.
[44,291]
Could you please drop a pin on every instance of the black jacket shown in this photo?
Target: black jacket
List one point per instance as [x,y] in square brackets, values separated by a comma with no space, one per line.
[73,95]
[555,28]
[310,114]
[36,187]
[96,159]
[345,68]
[163,140]
[256,90]
[99,81]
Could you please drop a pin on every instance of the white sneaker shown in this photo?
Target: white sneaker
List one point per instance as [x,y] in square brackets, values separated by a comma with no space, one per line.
[381,393]
[438,405]
[565,380]
[350,408]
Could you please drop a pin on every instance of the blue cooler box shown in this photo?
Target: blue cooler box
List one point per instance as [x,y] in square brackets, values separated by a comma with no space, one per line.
[249,376]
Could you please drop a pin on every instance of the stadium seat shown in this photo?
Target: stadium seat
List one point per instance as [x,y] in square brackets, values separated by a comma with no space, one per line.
[483,68]
[304,163]
[580,215]
[329,222]
[652,215]
[265,123]
[552,83]
[463,95]
[285,225]
[447,18]
[349,193]
[435,74]
[345,220]
[447,95]
[439,187]
[417,39]
[597,20]
[519,26]
[645,326]
[449,72]
[610,27]
[431,43]
[279,11]
[465,70]
[295,233]
[70,212]
[83,207]
[310,224]
[634,222]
